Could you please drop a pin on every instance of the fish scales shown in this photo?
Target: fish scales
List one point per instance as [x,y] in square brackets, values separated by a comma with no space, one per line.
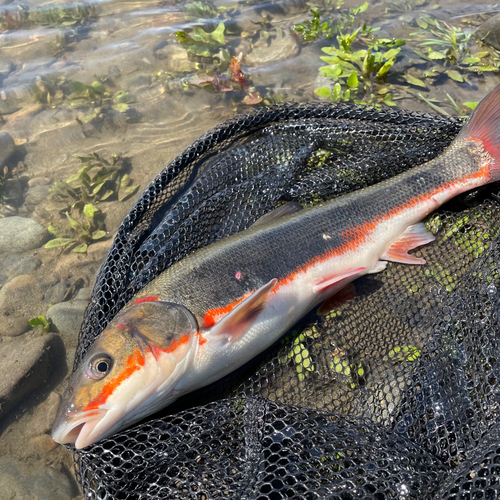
[283,248]
[219,307]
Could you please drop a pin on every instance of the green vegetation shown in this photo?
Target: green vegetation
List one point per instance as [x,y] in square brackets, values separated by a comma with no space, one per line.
[203,47]
[403,354]
[80,223]
[98,180]
[298,354]
[40,322]
[81,233]
[316,29]
[359,75]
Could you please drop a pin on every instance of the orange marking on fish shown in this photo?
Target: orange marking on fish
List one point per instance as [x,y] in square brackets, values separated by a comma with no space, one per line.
[146,299]
[122,326]
[156,350]
[135,361]
[201,339]
[213,315]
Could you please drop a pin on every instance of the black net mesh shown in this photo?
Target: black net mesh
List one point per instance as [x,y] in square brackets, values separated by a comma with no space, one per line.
[393,394]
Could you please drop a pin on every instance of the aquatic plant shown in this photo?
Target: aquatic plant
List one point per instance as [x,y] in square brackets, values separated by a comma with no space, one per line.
[40,322]
[80,233]
[447,54]
[403,5]
[98,97]
[231,80]
[107,181]
[69,16]
[205,47]
[359,75]
[317,29]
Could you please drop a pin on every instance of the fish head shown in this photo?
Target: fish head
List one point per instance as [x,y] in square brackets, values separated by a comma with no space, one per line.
[129,372]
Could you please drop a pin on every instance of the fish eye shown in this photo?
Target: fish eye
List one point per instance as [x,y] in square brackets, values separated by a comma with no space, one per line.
[99,366]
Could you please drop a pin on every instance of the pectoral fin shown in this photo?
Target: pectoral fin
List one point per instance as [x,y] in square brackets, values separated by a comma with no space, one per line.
[288,208]
[323,285]
[413,237]
[238,321]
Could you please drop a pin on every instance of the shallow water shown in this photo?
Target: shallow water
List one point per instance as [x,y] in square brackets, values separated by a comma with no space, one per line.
[147,104]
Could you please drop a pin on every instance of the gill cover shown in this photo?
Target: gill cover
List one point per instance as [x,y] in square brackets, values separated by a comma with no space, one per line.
[130,371]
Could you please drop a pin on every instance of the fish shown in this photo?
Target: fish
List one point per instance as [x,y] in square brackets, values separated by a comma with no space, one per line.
[213,311]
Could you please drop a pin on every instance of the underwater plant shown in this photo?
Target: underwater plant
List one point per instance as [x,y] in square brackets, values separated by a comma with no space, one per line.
[359,75]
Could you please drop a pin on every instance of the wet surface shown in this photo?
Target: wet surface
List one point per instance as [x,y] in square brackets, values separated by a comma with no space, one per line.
[113,78]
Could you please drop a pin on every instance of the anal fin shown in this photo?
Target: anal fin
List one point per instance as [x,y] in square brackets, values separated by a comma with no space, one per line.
[237,322]
[413,237]
[323,285]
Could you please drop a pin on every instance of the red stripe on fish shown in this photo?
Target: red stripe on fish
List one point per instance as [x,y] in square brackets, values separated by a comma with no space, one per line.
[135,361]
[146,299]
[175,344]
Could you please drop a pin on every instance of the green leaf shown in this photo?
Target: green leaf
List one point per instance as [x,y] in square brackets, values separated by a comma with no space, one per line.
[106,195]
[471,60]
[124,181]
[388,100]
[40,321]
[385,69]
[80,248]
[323,92]
[51,229]
[73,223]
[471,104]
[422,24]
[435,55]
[58,242]
[122,97]
[454,75]
[218,34]
[97,188]
[337,89]
[412,80]
[89,211]
[390,54]
[99,87]
[121,107]
[352,81]
[97,235]
[78,87]
[127,192]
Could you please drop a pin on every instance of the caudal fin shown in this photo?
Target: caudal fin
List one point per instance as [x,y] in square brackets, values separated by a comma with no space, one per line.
[484,125]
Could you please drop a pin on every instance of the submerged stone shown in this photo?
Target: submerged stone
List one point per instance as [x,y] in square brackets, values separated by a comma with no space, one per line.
[20,234]
[489,31]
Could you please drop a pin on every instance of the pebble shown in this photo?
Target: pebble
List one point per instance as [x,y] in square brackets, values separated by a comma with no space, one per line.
[15,265]
[62,291]
[7,147]
[39,483]
[67,318]
[36,195]
[25,364]
[489,31]
[19,234]
[41,445]
[38,181]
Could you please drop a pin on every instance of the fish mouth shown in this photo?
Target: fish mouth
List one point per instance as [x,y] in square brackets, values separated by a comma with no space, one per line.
[78,432]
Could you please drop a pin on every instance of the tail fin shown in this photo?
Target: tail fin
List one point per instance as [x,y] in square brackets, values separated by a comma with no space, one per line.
[484,125]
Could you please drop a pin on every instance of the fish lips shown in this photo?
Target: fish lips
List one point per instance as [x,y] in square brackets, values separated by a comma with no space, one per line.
[79,431]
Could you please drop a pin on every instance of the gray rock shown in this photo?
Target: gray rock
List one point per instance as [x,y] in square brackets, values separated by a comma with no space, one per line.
[84,294]
[24,365]
[38,181]
[18,234]
[39,483]
[62,291]
[67,318]
[7,147]
[489,31]
[278,46]
[36,195]
[15,265]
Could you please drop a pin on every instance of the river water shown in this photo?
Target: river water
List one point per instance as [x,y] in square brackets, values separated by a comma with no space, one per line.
[126,85]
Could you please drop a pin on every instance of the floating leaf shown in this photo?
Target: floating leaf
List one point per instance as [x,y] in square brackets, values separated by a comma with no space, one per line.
[323,92]
[58,242]
[412,80]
